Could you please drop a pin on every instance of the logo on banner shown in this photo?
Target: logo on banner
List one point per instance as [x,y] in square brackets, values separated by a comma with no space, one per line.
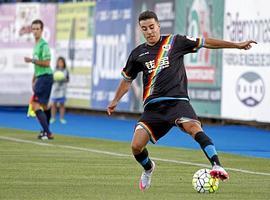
[250,89]
[200,67]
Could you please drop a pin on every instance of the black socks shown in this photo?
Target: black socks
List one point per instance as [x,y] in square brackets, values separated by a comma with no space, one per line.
[48,115]
[207,147]
[144,160]
[41,116]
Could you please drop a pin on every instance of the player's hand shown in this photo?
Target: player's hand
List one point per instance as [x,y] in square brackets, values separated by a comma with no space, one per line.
[27,59]
[111,107]
[246,45]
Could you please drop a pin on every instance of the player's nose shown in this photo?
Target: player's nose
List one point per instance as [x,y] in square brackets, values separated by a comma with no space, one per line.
[149,32]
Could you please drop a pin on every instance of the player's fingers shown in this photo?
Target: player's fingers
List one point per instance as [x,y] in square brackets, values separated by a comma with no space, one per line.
[247,46]
[108,111]
[252,41]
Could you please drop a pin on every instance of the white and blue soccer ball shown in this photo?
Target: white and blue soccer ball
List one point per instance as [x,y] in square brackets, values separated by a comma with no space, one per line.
[203,182]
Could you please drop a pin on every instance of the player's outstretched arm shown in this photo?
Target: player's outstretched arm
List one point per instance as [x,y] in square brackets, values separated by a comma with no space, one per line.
[212,43]
[121,90]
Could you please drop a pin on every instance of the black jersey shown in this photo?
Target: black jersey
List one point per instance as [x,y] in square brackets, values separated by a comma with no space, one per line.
[164,74]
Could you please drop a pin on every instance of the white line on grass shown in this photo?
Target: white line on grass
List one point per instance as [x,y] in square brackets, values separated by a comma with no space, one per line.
[126,155]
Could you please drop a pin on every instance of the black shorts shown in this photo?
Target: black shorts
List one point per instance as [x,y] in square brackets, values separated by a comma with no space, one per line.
[158,118]
[42,88]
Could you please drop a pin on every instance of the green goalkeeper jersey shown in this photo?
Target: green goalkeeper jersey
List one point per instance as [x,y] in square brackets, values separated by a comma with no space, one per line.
[42,52]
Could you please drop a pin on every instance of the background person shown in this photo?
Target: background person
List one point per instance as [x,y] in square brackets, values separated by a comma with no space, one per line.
[59,90]
[42,80]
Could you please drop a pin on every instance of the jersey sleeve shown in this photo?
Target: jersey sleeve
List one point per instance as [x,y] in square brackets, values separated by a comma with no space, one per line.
[188,44]
[130,71]
[46,54]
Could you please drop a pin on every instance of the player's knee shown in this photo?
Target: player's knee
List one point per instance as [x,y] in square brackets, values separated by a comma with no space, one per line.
[36,106]
[192,128]
[44,106]
[136,147]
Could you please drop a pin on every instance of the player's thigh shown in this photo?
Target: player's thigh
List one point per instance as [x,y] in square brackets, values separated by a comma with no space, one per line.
[154,121]
[186,118]
[42,89]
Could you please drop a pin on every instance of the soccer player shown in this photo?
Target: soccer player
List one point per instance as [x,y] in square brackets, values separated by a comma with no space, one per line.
[165,97]
[42,80]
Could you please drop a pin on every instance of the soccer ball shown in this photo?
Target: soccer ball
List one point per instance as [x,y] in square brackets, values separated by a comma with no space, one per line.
[203,182]
[58,76]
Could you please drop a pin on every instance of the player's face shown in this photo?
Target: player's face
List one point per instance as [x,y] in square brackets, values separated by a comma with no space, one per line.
[37,31]
[60,63]
[151,30]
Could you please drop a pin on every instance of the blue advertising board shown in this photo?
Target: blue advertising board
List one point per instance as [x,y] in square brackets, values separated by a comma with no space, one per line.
[112,45]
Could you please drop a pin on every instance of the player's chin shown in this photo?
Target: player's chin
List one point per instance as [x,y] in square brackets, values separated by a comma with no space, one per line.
[151,40]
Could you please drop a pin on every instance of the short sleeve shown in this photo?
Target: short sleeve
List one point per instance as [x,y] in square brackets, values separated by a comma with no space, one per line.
[130,71]
[187,44]
[46,54]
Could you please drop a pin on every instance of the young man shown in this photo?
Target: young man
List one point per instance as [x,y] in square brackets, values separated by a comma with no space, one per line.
[42,80]
[166,101]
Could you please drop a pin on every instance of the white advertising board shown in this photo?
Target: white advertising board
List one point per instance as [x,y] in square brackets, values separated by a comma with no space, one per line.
[17,42]
[246,74]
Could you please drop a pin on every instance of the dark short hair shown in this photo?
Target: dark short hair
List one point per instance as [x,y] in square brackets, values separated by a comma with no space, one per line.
[63,60]
[148,14]
[38,21]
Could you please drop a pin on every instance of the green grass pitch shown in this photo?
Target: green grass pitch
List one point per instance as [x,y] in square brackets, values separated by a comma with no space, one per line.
[80,168]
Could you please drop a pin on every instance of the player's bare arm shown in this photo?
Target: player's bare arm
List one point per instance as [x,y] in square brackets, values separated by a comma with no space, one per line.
[212,43]
[120,92]
[42,63]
